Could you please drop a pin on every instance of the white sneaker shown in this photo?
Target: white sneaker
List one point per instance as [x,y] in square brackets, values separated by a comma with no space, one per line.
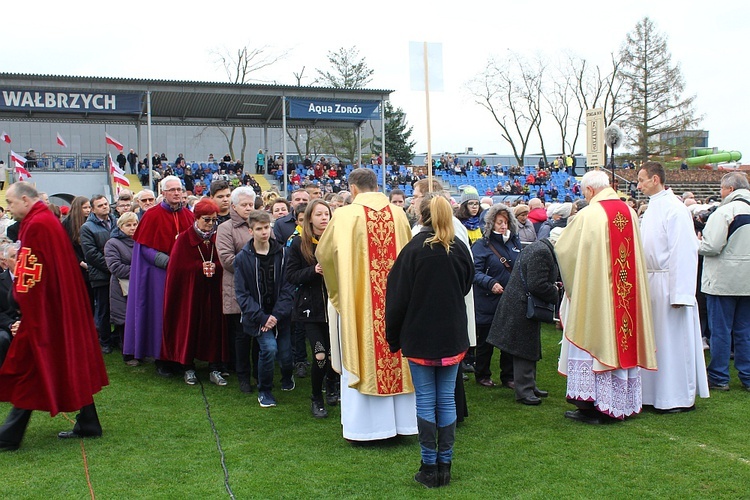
[190,377]
[216,378]
[705,344]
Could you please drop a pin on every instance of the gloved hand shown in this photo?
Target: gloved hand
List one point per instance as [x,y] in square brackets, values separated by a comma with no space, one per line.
[161,260]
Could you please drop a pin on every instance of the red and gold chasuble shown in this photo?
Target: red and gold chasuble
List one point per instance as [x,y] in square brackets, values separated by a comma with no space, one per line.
[381,244]
[622,254]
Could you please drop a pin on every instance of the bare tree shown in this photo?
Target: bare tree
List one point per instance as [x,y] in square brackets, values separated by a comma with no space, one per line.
[560,99]
[348,71]
[532,75]
[502,90]
[307,139]
[240,66]
[591,89]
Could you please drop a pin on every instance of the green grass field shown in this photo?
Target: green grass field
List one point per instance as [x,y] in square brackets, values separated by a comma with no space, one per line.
[159,443]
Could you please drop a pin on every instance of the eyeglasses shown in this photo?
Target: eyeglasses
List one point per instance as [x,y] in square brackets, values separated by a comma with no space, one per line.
[212,220]
[473,204]
[147,200]
[173,190]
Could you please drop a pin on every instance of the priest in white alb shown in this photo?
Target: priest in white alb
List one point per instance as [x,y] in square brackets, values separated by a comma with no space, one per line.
[671,250]
[356,252]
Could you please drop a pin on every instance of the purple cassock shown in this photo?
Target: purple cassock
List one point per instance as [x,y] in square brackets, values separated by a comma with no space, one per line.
[155,235]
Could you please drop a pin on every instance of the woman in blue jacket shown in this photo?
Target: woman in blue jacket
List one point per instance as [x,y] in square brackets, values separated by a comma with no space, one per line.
[494,256]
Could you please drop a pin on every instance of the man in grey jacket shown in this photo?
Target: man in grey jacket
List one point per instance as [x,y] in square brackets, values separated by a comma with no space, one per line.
[94,235]
[725,243]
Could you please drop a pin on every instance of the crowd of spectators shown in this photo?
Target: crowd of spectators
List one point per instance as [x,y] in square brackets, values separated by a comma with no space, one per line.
[106,240]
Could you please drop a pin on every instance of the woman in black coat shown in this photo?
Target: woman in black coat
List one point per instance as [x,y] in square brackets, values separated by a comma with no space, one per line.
[311,303]
[425,318]
[80,209]
[511,331]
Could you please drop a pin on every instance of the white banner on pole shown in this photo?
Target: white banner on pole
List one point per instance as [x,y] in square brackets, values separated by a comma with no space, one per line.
[434,64]
[595,138]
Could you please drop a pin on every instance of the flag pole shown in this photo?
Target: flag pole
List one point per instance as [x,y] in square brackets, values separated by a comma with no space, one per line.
[110,175]
[427,105]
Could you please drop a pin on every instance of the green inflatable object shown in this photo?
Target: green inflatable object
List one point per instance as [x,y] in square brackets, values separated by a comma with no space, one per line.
[707,155]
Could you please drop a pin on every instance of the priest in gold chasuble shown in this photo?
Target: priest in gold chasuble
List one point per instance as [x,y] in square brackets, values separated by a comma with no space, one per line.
[356,252]
[606,314]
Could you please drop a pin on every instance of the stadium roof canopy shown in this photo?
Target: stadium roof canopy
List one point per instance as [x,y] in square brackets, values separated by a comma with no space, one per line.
[184,102]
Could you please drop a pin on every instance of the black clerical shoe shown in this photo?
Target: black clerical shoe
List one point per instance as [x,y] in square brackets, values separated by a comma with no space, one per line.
[585,418]
[540,393]
[5,446]
[669,411]
[531,401]
[75,435]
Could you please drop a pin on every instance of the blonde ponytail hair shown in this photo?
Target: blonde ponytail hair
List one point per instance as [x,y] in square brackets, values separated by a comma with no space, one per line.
[437,213]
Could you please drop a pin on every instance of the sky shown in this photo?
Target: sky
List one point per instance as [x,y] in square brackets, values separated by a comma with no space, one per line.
[154,40]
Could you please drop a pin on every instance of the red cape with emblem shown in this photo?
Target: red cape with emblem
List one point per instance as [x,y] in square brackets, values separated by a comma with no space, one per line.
[161,225]
[194,325]
[54,362]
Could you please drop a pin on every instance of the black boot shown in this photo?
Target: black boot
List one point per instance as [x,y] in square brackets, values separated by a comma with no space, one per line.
[444,474]
[446,438]
[427,475]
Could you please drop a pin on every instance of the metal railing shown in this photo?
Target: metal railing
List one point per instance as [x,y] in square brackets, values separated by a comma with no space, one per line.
[54,162]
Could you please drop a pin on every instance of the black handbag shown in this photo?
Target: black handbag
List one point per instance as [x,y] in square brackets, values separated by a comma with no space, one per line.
[539,310]
[536,308]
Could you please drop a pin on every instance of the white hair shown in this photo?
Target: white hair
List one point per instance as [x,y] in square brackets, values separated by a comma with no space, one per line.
[170,178]
[595,179]
[143,191]
[242,191]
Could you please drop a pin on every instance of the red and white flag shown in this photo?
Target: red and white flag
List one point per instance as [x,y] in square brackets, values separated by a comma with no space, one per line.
[61,141]
[118,175]
[114,142]
[5,137]
[19,162]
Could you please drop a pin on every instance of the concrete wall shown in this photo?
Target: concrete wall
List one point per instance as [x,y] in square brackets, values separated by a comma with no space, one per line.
[62,187]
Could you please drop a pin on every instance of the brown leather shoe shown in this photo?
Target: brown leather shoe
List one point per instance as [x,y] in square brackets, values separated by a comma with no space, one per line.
[486,382]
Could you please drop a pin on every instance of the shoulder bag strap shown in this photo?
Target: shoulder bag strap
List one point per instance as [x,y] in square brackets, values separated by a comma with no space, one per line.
[502,259]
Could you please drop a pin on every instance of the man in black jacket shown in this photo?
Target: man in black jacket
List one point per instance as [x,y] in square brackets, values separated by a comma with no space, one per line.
[9,314]
[94,235]
[133,161]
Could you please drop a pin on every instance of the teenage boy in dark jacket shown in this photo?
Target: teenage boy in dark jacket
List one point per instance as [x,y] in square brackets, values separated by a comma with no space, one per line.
[265,298]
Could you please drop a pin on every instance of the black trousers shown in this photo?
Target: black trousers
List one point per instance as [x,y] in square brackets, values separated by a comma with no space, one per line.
[5,339]
[233,327]
[484,358]
[101,315]
[524,377]
[320,342]
[299,346]
[12,431]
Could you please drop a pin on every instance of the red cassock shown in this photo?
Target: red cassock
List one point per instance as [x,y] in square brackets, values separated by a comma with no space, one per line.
[54,362]
[194,326]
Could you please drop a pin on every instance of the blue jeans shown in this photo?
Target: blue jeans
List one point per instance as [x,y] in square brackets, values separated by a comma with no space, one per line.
[434,388]
[727,316]
[274,345]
